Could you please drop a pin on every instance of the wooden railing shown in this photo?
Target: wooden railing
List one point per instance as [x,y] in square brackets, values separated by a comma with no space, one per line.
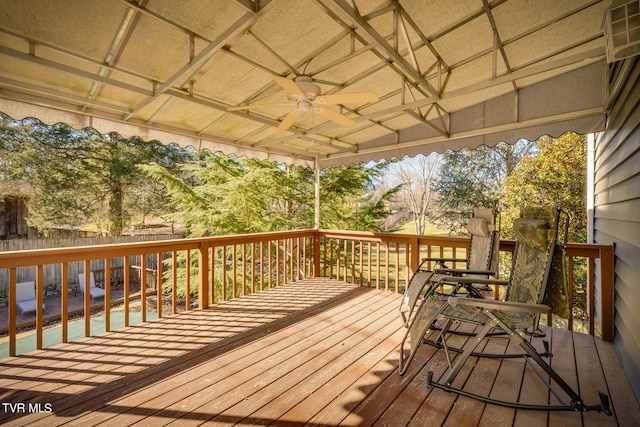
[386,261]
[190,273]
[219,268]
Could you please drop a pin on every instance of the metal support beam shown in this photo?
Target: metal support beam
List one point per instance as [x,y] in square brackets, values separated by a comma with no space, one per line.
[426,122]
[254,5]
[74,71]
[586,58]
[184,74]
[316,199]
[379,40]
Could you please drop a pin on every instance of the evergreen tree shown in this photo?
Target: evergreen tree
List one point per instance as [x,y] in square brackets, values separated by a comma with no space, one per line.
[218,194]
[77,177]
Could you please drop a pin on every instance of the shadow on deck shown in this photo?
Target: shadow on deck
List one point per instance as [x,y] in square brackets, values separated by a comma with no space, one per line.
[317,352]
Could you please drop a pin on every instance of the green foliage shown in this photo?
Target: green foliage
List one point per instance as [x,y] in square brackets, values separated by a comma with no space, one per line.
[78,177]
[348,200]
[181,274]
[556,175]
[543,172]
[474,178]
[75,177]
[217,195]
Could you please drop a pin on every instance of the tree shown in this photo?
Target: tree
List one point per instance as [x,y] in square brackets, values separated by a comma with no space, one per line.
[348,197]
[555,175]
[417,177]
[11,147]
[45,160]
[218,194]
[474,178]
[76,177]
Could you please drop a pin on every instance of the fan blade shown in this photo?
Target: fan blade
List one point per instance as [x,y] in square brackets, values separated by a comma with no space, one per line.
[288,120]
[348,98]
[289,85]
[250,106]
[335,117]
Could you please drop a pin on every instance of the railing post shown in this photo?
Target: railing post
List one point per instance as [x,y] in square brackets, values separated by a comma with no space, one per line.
[13,311]
[316,253]
[87,297]
[39,304]
[64,302]
[143,288]
[107,294]
[187,269]
[414,249]
[607,292]
[203,275]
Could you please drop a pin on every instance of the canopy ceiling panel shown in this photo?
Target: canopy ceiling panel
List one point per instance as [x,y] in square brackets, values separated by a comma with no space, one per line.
[433,24]
[446,74]
[205,19]
[478,36]
[159,57]
[242,84]
[49,22]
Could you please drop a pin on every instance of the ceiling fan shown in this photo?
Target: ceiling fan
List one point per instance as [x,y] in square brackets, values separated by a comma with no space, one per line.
[304,94]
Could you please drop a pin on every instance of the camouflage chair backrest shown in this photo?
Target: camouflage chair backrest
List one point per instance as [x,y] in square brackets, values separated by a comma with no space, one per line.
[484,240]
[536,234]
[556,294]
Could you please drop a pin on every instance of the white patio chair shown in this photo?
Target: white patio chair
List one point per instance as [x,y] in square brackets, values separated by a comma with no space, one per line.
[26,298]
[94,291]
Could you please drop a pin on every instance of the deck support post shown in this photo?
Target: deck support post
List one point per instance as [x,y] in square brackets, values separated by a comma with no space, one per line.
[203,275]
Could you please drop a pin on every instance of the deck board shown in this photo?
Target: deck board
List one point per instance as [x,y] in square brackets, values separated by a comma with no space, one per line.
[316,352]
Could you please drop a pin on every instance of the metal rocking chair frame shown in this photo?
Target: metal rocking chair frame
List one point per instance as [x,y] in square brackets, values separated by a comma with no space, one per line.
[482,262]
[528,297]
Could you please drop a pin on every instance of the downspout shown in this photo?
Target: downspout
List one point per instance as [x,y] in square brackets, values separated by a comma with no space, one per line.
[590,186]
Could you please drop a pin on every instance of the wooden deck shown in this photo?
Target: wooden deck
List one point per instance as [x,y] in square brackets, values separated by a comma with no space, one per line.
[317,352]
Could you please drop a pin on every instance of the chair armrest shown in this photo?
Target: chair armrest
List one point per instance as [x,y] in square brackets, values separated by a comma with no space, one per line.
[445,259]
[490,304]
[451,280]
[462,271]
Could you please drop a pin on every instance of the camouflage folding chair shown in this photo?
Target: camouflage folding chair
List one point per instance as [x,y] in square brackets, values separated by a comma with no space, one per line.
[536,286]
[481,261]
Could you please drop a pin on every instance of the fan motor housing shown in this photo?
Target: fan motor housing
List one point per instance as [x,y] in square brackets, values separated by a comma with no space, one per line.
[306,84]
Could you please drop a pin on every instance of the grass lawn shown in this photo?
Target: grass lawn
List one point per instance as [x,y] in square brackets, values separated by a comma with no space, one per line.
[408,227]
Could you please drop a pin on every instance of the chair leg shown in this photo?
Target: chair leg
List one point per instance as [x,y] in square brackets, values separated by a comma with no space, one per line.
[460,360]
[532,355]
[419,326]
